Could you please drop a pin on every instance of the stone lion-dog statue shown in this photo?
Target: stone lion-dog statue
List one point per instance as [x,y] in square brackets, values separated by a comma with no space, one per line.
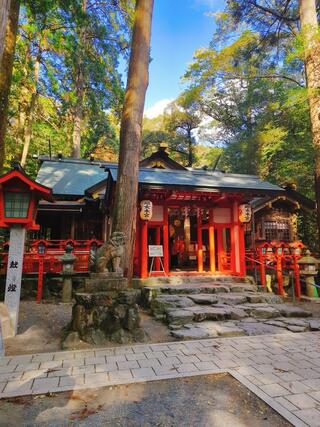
[109,256]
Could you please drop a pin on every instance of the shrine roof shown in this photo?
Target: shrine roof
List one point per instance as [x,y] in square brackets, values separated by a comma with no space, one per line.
[202,179]
[69,177]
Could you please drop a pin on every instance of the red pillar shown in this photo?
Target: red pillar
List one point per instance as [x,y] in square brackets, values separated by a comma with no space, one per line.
[220,248]
[157,260]
[239,245]
[165,240]
[200,251]
[144,249]
[211,244]
[242,248]
[297,286]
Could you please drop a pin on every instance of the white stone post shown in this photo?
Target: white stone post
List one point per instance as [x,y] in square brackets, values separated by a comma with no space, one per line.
[14,274]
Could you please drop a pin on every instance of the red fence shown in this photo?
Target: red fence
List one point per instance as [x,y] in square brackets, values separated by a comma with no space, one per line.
[50,252]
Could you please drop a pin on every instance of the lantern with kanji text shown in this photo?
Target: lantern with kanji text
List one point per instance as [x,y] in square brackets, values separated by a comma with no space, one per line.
[146,210]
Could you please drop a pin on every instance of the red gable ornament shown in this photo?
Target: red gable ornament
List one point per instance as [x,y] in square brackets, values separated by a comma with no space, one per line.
[245,213]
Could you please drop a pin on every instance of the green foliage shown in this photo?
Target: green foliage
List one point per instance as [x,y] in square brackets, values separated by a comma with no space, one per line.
[60,34]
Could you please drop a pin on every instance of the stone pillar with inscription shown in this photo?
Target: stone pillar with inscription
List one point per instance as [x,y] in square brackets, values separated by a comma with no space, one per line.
[14,274]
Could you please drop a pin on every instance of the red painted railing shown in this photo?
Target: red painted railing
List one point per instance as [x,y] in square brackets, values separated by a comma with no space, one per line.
[50,252]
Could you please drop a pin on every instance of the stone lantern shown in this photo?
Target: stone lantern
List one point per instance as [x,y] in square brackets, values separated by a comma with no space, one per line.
[68,260]
[309,269]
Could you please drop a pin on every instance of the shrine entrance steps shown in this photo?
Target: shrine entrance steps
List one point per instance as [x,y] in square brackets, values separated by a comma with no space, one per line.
[202,307]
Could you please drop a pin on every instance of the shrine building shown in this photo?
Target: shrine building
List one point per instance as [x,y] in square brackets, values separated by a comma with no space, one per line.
[195,213]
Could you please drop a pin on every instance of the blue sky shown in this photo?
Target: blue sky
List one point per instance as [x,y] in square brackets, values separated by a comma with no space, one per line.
[179,28]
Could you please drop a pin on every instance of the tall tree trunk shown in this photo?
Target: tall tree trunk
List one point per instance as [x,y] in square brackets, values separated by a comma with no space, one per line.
[79,85]
[309,28]
[190,148]
[4,10]
[6,65]
[125,208]
[31,109]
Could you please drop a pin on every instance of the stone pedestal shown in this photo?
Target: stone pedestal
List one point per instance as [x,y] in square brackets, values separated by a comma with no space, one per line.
[67,289]
[106,311]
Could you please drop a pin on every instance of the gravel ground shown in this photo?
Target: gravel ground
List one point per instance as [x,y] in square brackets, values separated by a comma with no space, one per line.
[212,400]
[40,328]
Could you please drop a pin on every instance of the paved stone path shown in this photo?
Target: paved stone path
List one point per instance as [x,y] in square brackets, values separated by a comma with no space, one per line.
[283,370]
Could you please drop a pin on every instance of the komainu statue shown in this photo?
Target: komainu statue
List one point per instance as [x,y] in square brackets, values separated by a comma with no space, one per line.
[109,256]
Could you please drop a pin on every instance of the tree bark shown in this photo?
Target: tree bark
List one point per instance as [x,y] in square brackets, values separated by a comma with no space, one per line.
[30,110]
[79,85]
[6,66]
[309,28]
[125,208]
[4,10]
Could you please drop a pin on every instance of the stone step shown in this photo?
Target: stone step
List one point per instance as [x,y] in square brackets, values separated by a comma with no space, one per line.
[190,280]
[247,326]
[219,312]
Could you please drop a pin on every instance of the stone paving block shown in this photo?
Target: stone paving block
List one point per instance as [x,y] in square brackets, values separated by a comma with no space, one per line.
[314,384]
[159,347]
[43,385]
[98,378]
[104,352]
[144,373]
[8,368]
[84,354]
[287,376]
[185,368]
[62,372]
[207,357]
[10,376]
[296,387]
[172,360]
[275,390]
[132,364]
[247,370]
[51,364]
[71,381]
[224,364]
[135,356]
[90,369]
[187,359]
[206,366]
[267,378]
[95,360]
[264,368]
[302,401]
[155,355]
[253,380]
[106,367]
[19,387]
[166,370]
[123,350]
[4,361]
[64,355]
[27,367]
[119,358]
[23,359]
[120,375]
[310,416]
[172,353]
[46,357]
[37,373]
[286,404]
[141,349]
[149,363]
[71,363]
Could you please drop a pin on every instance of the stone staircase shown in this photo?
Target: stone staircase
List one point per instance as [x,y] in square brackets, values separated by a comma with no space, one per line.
[207,307]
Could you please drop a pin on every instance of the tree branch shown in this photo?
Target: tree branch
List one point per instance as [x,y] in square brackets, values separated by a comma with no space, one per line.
[273,12]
